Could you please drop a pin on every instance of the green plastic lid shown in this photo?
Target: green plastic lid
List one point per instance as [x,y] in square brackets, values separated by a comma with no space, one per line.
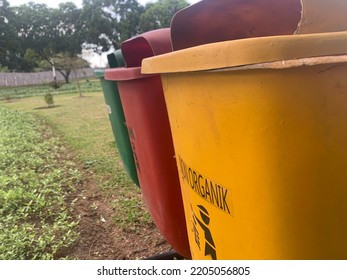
[115,59]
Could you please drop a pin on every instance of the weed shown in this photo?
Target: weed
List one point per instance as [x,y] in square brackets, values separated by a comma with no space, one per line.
[6,97]
[34,218]
[85,126]
[129,213]
[56,84]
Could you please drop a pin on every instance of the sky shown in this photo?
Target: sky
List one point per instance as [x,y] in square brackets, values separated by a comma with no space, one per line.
[55,3]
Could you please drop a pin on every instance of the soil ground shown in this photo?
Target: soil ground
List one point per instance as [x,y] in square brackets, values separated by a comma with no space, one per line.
[100,238]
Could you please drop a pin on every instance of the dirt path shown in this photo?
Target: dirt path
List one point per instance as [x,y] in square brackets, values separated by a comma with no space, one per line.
[100,238]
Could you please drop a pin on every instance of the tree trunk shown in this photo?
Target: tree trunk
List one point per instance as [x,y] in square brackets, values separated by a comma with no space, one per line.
[66,75]
[78,83]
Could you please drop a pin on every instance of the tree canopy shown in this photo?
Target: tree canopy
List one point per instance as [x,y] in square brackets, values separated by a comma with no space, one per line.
[159,14]
[34,36]
[8,38]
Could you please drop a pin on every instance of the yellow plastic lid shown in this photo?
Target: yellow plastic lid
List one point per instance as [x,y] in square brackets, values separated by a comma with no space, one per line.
[250,51]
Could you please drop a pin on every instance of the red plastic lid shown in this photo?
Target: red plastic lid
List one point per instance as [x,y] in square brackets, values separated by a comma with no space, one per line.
[125,74]
[148,44]
[210,21]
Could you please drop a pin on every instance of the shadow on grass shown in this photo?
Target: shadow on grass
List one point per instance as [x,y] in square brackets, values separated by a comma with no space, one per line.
[83,96]
[47,107]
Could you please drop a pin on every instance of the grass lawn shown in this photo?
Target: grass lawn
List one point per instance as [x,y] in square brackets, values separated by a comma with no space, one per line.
[10,93]
[84,126]
[35,180]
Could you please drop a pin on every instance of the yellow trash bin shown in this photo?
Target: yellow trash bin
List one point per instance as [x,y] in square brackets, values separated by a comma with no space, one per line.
[259,130]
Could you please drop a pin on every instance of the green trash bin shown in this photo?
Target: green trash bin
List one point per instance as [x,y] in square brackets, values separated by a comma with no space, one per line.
[116,116]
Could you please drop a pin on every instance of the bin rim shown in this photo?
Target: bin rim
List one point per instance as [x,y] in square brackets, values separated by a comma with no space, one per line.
[248,51]
[100,73]
[125,74]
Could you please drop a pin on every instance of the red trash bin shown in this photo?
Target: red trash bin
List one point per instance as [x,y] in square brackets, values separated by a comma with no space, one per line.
[150,135]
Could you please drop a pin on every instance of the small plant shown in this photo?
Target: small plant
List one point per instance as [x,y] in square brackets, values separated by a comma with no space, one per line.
[35,218]
[129,213]
[49,99]
[7,97]
[55,84]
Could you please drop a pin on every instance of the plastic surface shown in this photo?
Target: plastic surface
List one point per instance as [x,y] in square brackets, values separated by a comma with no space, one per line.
[247,51]
[100,73]
[117,119]
[262,148]
[148,44]
[149,129]
[126,74]
[211,21]
[115,59]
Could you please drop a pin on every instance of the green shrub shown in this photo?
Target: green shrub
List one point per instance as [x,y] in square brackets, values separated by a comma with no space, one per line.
[55,84]
[49,99]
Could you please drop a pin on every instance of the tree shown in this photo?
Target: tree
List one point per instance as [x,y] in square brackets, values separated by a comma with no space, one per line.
[68,45]
[67,26]
[9,59]
[47,33]
[34,36]
[159,14]
[107,23]
[39,64]
[65,63]
[34,27]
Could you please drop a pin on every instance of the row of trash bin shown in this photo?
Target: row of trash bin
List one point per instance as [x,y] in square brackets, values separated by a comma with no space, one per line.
[232,122]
